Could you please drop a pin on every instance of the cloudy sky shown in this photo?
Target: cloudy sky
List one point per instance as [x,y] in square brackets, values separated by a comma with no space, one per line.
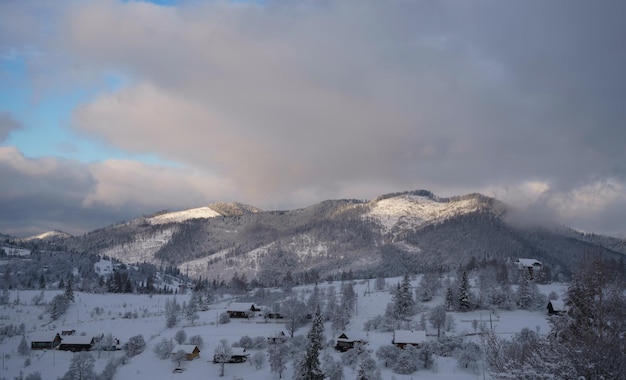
[112,109]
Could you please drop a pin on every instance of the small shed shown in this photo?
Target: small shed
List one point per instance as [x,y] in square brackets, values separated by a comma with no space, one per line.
[402,338]
[241,310]
[556,307]
[191,350]
[43,340]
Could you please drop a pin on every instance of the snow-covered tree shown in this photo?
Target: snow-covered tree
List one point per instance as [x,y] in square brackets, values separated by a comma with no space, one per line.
[180,337]
[81,367]
[172,312]
[309,367]
[69,289]
[23,348]
[179,356]
[333,369]
[278,352]
[164,348]
[437,317]
[197,340]
[449,299]
[222,355]
[404,304]
[294,312]
[134,346]
[464,293]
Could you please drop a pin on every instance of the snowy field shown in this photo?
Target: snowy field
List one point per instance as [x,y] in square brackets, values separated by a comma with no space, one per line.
[148,319]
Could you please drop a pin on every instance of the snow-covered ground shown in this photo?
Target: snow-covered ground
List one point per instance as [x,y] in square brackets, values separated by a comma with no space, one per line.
[180,216]
[84,315]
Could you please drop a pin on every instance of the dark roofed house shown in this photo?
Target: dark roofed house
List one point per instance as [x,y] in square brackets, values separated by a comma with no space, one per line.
[556,307]
[76,343]
[43,340]
[403,338]
[345,342]
[241,310]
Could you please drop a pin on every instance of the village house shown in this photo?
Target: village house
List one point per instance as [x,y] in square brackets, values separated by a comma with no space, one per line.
[345,342]
[191,350]
[43,340]
[531,265]
[76,343]
[402,338]
[241,310]
[238,355]
[556,307]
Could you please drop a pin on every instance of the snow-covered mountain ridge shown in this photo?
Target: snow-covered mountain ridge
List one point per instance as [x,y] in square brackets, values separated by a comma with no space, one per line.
[394,233]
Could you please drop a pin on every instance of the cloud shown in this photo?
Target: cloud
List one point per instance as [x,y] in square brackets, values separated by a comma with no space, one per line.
[7,125]
[288,103]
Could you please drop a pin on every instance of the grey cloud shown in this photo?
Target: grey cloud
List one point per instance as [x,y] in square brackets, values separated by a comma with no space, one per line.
[295,102]
[7,125]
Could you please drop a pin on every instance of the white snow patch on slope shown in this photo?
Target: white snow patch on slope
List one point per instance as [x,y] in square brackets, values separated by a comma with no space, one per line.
[142,249]
[181,216]
[411,211]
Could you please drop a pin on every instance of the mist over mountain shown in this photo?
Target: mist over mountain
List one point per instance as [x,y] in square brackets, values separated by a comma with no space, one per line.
[412,231]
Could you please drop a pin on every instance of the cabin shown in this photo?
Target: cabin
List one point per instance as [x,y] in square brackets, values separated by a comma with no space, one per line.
[241,310]
[403,338]
[556,307]
[77,343]
[191,350]
[44,340]
[238,355]
[345,342]
[531,265]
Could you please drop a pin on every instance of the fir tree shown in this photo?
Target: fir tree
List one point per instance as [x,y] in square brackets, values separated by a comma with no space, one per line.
[69,289]
[464,294]
[404,304]
[309,367]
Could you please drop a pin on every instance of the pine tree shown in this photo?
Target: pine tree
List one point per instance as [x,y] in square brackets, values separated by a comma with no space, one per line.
[524,296]
[42,282]
[309,367]
[464,295]
[404,304]
[69,289]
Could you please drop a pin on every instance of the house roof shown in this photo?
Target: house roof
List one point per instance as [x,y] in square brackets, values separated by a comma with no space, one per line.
[42,336]
[409,336]
[77,339]
[558,305]
[529,262]
[240,306]
[349,336]
[187,348]
[239,351]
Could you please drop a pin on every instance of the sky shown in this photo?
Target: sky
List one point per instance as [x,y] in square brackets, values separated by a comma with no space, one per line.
[114,109]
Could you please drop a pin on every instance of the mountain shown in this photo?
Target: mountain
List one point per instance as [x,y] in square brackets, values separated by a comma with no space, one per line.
[48,236]
[392,234]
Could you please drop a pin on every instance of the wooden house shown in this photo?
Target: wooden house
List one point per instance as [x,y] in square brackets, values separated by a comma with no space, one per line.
[531,265]
[556,307]
[241,310]
[191,350]
[403,338]
[43,340]
[76,343]
[345,342]
[239,355]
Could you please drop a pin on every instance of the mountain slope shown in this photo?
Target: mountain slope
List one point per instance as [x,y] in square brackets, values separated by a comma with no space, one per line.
[392,234]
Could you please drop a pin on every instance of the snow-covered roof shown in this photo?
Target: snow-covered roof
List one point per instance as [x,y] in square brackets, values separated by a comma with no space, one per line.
[409,336]
[240,306]
[77,339]
[187,348]
[238,351]
[42,336]
[350,336]
[558,305]
[529,262]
